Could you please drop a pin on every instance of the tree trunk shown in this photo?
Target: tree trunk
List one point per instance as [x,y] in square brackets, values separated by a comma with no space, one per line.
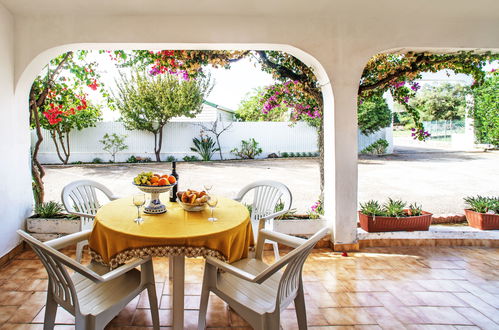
[219,148]
[158,141]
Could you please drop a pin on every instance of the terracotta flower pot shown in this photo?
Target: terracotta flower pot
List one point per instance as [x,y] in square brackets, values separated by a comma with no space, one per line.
[380,224]
[482,221]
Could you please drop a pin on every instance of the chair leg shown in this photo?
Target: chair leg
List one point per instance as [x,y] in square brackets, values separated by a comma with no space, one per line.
[153,304]
[50,311]
[276,251]
[301,313]
[79,250]
[82,324]
[205,295]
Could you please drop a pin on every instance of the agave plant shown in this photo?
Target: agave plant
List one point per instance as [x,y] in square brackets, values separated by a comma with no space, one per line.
[483,204]
[371,208]
[415,210]
[49,210]
[204,146]
[394,208]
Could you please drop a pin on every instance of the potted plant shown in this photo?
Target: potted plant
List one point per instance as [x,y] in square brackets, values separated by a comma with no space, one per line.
[482,212]
[393,216]
[50,221]
[301,224]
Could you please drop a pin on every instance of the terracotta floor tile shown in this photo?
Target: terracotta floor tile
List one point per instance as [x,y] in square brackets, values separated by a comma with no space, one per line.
[441,315]
[348,316]
[441,285]
[439,299]
[384,318]
[6,312]
[479,305]
[477,318]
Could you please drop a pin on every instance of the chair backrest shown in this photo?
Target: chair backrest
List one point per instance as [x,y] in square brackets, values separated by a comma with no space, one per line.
[60,283]
[294,260]
[267,194]
[81,197]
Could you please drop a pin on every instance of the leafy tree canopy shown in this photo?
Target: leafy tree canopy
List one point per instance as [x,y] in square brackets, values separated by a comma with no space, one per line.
[147,102]
[486,111]
[251,107]
[373,114]
[443,102]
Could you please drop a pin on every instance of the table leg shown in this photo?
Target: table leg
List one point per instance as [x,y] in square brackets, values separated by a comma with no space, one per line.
[170,268]
[178,264]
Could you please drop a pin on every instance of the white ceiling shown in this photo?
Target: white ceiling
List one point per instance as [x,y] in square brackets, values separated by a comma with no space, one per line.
[335,8]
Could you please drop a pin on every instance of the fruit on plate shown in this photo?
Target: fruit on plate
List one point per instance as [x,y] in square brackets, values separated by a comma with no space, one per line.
[150,179]
[193,197]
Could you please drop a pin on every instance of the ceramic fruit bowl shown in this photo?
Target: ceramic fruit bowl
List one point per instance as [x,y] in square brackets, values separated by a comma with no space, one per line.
[155,206]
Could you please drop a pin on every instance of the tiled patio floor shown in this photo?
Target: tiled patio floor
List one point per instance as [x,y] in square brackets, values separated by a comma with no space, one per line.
[388,288]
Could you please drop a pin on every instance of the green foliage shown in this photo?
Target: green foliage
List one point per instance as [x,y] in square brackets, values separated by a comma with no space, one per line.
[190,159]
[171,159]
[134,159]
[148,102]
[49,210]
[391,208]
[97,160]
[371,208]
[376,148]
[373,114]
[415,209]
[284,155]
[251,107]
[486,111]
[249,149]
[113,144]
[443,102]
[482,204]
[204,146]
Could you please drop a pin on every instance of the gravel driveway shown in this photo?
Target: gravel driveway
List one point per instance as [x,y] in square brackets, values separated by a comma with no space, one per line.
[437,180]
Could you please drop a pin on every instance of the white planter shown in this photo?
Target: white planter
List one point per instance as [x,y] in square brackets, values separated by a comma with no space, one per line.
[303,227]
[46,229]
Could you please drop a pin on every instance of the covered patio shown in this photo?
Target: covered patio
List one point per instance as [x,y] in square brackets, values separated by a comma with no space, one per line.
[389,288]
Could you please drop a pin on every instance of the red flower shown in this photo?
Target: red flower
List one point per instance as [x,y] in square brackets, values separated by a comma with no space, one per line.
[94,85]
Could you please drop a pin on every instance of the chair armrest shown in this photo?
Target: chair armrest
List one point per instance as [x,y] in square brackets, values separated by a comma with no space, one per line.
[84,215]
[123,269]
[114,197]
[287,240]
[273,215]
[67,240]
[230,269]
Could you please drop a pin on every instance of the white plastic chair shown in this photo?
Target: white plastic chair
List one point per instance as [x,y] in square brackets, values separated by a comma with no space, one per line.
[80,198]
[256,291]
[267,195]
[93,294]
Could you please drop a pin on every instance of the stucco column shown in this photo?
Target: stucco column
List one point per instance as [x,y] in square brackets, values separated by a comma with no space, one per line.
[341,159]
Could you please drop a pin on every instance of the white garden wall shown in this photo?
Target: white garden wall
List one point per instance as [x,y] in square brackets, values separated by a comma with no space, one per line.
[273,137]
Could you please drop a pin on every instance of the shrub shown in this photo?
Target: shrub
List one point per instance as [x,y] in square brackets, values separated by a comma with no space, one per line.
[482,204]
[373,114]
[310,154]
[97,160]
[284,155]
[190,159]
[204,146]
[292,154]
[249,149]
[77,162]
[113,144]
[132,159]
[486,110]
[171,159]
[376,148]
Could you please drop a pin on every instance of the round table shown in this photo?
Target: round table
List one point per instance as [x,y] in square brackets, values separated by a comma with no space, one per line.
[176,234]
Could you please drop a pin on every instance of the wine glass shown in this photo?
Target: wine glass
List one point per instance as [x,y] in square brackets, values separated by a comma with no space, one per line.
[208,187]
[138,201]
[212,203]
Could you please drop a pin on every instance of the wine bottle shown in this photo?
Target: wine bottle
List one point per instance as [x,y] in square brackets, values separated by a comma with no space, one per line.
[173,191]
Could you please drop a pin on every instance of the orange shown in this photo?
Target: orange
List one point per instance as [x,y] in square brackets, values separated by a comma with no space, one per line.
[155,184]
[157,175]
[154,179]
[165,176]
[172,179]
[163,182]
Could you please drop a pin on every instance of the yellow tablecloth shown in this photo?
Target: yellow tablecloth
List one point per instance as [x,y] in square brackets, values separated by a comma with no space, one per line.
[116,238]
